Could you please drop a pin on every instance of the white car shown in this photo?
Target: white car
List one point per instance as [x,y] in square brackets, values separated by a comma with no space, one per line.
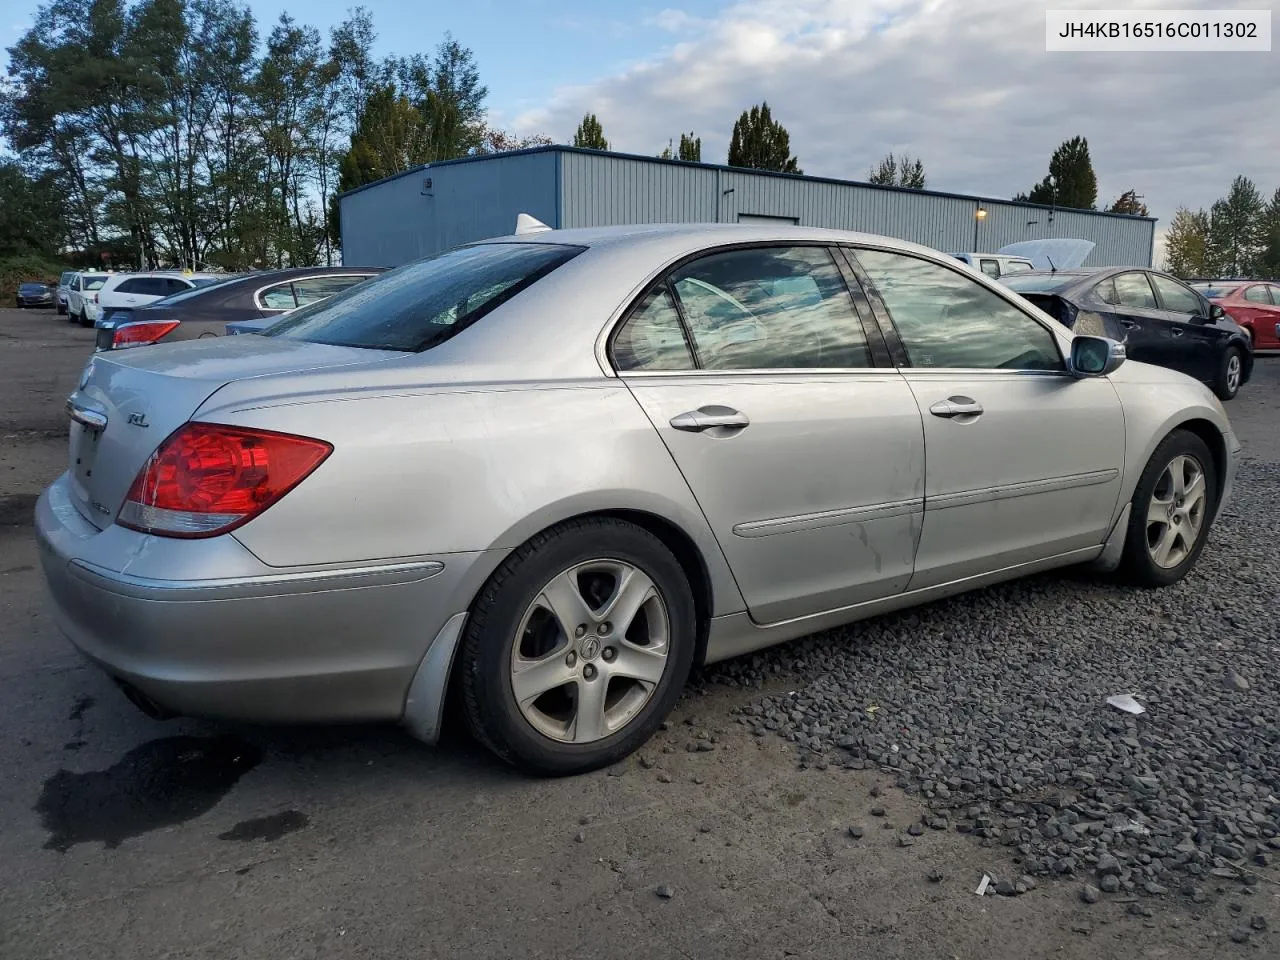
[82,296]
[125,292]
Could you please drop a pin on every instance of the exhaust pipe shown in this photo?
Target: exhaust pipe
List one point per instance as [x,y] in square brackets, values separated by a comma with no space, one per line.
[144,703]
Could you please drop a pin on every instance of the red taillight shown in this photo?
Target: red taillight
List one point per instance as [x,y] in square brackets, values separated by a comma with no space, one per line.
[141,333]
[208,478]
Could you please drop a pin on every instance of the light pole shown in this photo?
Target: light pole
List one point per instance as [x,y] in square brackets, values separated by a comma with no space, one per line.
[978,216]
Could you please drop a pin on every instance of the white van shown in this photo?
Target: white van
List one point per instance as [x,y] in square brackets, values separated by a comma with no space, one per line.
[996,265]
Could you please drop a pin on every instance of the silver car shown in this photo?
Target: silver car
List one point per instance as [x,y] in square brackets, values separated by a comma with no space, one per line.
[552,472]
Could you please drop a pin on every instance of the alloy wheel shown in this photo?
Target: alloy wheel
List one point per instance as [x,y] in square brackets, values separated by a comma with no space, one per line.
[1234,368]
[590,651]
[1176,513]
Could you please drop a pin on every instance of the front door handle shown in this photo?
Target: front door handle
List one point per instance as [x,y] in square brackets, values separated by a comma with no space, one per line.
[1131,324]
[722,419]
[1177,331]
[956,407]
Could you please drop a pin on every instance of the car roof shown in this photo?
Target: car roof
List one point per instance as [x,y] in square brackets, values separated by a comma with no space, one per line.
[675,237]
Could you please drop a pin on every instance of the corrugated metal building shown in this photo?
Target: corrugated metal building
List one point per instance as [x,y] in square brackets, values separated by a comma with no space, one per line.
[431,208]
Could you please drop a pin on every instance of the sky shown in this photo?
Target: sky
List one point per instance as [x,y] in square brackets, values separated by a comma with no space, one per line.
[966,85]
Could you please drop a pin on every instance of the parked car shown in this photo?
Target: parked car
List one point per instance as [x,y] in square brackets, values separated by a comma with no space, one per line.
[996,265]
[33,295]
[1252,304]
[558,469]
[205,311]
[82,297]
[1160,319]
[64,285]
[128,291]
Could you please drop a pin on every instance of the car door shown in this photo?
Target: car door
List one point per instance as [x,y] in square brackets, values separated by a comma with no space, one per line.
[807,458]
[1023,460]
[1140,317]
[1194,341]
[1268,331]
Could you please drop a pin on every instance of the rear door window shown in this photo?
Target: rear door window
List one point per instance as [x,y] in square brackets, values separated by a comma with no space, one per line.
[420,304]
[1133,290]
[279,297]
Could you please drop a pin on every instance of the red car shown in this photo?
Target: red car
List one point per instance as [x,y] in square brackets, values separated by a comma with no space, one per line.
[1253,304]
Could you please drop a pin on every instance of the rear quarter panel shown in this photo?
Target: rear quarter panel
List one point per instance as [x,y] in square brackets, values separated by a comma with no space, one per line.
[431,471]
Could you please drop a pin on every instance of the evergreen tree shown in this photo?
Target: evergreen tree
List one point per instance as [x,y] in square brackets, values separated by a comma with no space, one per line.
[895,172]
[761,143]
[590,134]
[1071,181]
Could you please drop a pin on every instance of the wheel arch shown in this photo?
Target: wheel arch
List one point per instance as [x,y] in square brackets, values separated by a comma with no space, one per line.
[1213,438]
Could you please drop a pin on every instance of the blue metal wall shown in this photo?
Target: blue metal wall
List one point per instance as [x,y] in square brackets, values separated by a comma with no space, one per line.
[399,219]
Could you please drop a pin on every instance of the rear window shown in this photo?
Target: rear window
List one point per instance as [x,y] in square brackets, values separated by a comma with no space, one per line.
[418,305]
[94,283]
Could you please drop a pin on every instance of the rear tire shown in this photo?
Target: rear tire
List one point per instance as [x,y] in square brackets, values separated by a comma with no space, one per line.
[1172,508]
[592,691]
[1230,374]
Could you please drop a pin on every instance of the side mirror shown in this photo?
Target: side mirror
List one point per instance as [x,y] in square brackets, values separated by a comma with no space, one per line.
[1216,313]
[1095,356]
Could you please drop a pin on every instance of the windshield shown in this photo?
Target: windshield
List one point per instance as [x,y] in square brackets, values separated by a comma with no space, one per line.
[1214,290]
[1038,282]
[418,305]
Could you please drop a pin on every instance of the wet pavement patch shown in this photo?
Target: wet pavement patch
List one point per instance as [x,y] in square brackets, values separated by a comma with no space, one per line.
[18,509]
[158,784]
[269,828]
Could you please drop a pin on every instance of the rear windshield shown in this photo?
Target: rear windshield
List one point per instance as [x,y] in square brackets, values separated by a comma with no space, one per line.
[418,305]
[95,283]
[1039,282]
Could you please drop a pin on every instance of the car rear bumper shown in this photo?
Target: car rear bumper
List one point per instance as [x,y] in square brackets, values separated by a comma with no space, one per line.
[246,641]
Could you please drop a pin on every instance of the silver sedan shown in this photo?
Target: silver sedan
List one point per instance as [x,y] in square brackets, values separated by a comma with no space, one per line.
[551,472]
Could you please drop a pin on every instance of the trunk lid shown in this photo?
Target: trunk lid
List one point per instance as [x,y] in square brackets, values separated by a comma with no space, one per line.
[128,401]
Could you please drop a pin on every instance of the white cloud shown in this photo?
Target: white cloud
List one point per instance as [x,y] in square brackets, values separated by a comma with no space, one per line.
[965,84]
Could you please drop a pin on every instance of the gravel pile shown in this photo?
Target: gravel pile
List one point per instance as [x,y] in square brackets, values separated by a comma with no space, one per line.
[992,707]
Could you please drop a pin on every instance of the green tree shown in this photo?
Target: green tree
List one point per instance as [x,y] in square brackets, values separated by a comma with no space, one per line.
[690,148]
[1186,244]
[29,216]
[1129,202]
[1071,181]
[590,134]
[899,172]
[1269,261]
[761,143]
[1237,233]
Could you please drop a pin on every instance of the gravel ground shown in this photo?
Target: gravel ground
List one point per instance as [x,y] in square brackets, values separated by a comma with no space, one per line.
[992,708]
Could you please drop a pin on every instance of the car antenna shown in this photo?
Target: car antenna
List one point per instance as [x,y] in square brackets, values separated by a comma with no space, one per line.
[1053,267]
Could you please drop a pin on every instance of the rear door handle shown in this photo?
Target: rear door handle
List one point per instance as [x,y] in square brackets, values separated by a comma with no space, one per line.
[956,407]
[709,418]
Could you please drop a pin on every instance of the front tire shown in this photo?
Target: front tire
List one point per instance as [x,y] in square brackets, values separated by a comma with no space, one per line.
[1230,374]
[577,647]
[1172,507]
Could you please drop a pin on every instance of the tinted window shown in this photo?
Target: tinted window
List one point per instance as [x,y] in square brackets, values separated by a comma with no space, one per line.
[1257,294]
[128,286]
[991,268]
[770,308]
[946,319]
[420,304]
[1174,296]
[653,337]
[172,285]
[1132,290]
[279,297]
[319,288]
[204,287]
